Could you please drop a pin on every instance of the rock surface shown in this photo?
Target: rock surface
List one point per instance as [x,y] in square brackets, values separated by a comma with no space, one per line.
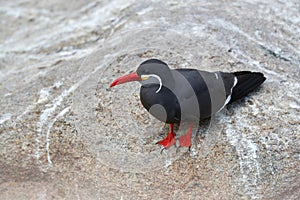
[63,135]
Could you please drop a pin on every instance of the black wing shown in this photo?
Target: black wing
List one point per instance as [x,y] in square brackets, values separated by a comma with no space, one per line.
[212,89]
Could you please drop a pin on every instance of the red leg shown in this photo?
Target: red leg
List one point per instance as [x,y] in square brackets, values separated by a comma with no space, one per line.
[169,140]
[185,140]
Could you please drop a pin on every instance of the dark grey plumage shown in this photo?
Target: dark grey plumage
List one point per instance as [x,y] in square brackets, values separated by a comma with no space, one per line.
[190,94]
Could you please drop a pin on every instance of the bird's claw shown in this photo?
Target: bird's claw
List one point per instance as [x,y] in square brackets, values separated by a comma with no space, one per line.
[162,150]
[178,147]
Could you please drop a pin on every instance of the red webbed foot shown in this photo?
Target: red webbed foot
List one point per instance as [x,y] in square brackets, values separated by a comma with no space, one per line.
[185,140]
[169,140]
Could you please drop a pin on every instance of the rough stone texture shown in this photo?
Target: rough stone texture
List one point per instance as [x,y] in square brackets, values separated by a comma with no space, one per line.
[63,135]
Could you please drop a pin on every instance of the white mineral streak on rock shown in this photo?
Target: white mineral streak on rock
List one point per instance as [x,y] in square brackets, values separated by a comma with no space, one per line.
[50,125]
[44,96]
[294,105]
[5,117]
[45,92]
[247,155]
[239,54]
[48,112]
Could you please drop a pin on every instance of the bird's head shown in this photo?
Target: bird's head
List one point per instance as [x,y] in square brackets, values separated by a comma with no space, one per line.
[152,71]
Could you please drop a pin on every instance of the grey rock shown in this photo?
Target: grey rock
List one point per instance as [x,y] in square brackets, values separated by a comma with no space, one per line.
[63,134]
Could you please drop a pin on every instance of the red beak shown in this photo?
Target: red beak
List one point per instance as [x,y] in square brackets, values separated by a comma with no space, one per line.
[127,78]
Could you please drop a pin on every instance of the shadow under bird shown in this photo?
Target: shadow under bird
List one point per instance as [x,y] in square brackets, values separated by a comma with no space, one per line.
[187,95]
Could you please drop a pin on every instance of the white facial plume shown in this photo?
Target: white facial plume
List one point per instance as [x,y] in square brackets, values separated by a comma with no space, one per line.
[146,77]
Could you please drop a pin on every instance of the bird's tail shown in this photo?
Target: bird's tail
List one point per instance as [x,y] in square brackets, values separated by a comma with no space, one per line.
[247,82]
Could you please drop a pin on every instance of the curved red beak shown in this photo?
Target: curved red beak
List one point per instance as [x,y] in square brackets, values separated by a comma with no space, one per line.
[127,78]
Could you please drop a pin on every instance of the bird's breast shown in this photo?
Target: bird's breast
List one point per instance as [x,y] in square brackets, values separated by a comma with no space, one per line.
[163,105]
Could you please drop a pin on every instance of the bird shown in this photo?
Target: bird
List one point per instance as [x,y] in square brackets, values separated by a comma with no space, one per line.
[187,95]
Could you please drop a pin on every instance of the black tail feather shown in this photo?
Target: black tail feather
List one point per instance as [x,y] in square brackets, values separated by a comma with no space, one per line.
[247,82]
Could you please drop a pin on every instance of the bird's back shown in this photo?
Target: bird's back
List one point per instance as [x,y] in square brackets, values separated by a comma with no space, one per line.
[210,88]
